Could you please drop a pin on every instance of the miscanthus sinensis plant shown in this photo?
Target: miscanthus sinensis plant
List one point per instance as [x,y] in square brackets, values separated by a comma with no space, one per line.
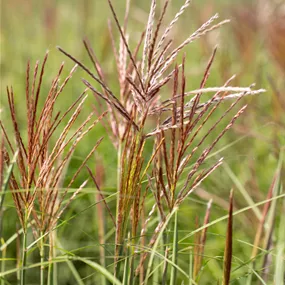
[153,88]
[41,158]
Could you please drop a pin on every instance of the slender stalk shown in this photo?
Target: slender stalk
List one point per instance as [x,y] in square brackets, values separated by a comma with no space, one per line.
[280,248]
[165,267]
[156,273]
[174,251]
[42,255]
[3,263]
[50,265]
[190,266]
[127,274]
[101,233]
[49,273]
[119,173]
[133,255]
[53,249]
[166,249]
[24,249]
[18,255]
[116,265]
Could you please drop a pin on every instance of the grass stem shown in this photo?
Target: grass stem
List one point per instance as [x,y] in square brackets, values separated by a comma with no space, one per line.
[24,249]
[3,255]
[42,253]
[119,155]
[174,251]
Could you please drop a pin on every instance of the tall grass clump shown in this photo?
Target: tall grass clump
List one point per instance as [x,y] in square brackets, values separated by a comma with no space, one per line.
[42,157]
[153,110]
[176,166]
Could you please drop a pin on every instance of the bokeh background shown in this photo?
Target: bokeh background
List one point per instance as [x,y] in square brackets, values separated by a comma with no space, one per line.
[252,46]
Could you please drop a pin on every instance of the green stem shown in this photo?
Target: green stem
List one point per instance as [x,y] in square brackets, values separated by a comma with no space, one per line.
[190,267]
[101,223]
[24,250]
[42,255]
[3,264]
[54,264]
[49,273]
[50,265]
[126,271]
[173,274]
[116,265]
[118,174]
[133,255]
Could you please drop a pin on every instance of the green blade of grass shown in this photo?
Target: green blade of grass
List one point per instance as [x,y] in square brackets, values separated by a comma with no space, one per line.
[174,251]
[126,271]
[242,190]
[71,266]
[74,272]
[165,267]
[101,270]
[159,255]
[260,228]
[271,217]
[190,267]
[92,264]
[234,214]
[3,262]
[154,248]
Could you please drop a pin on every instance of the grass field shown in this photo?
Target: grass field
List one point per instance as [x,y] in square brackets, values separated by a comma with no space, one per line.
[170,170]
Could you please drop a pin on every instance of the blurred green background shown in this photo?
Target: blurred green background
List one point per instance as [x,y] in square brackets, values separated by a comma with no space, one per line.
[252,46]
